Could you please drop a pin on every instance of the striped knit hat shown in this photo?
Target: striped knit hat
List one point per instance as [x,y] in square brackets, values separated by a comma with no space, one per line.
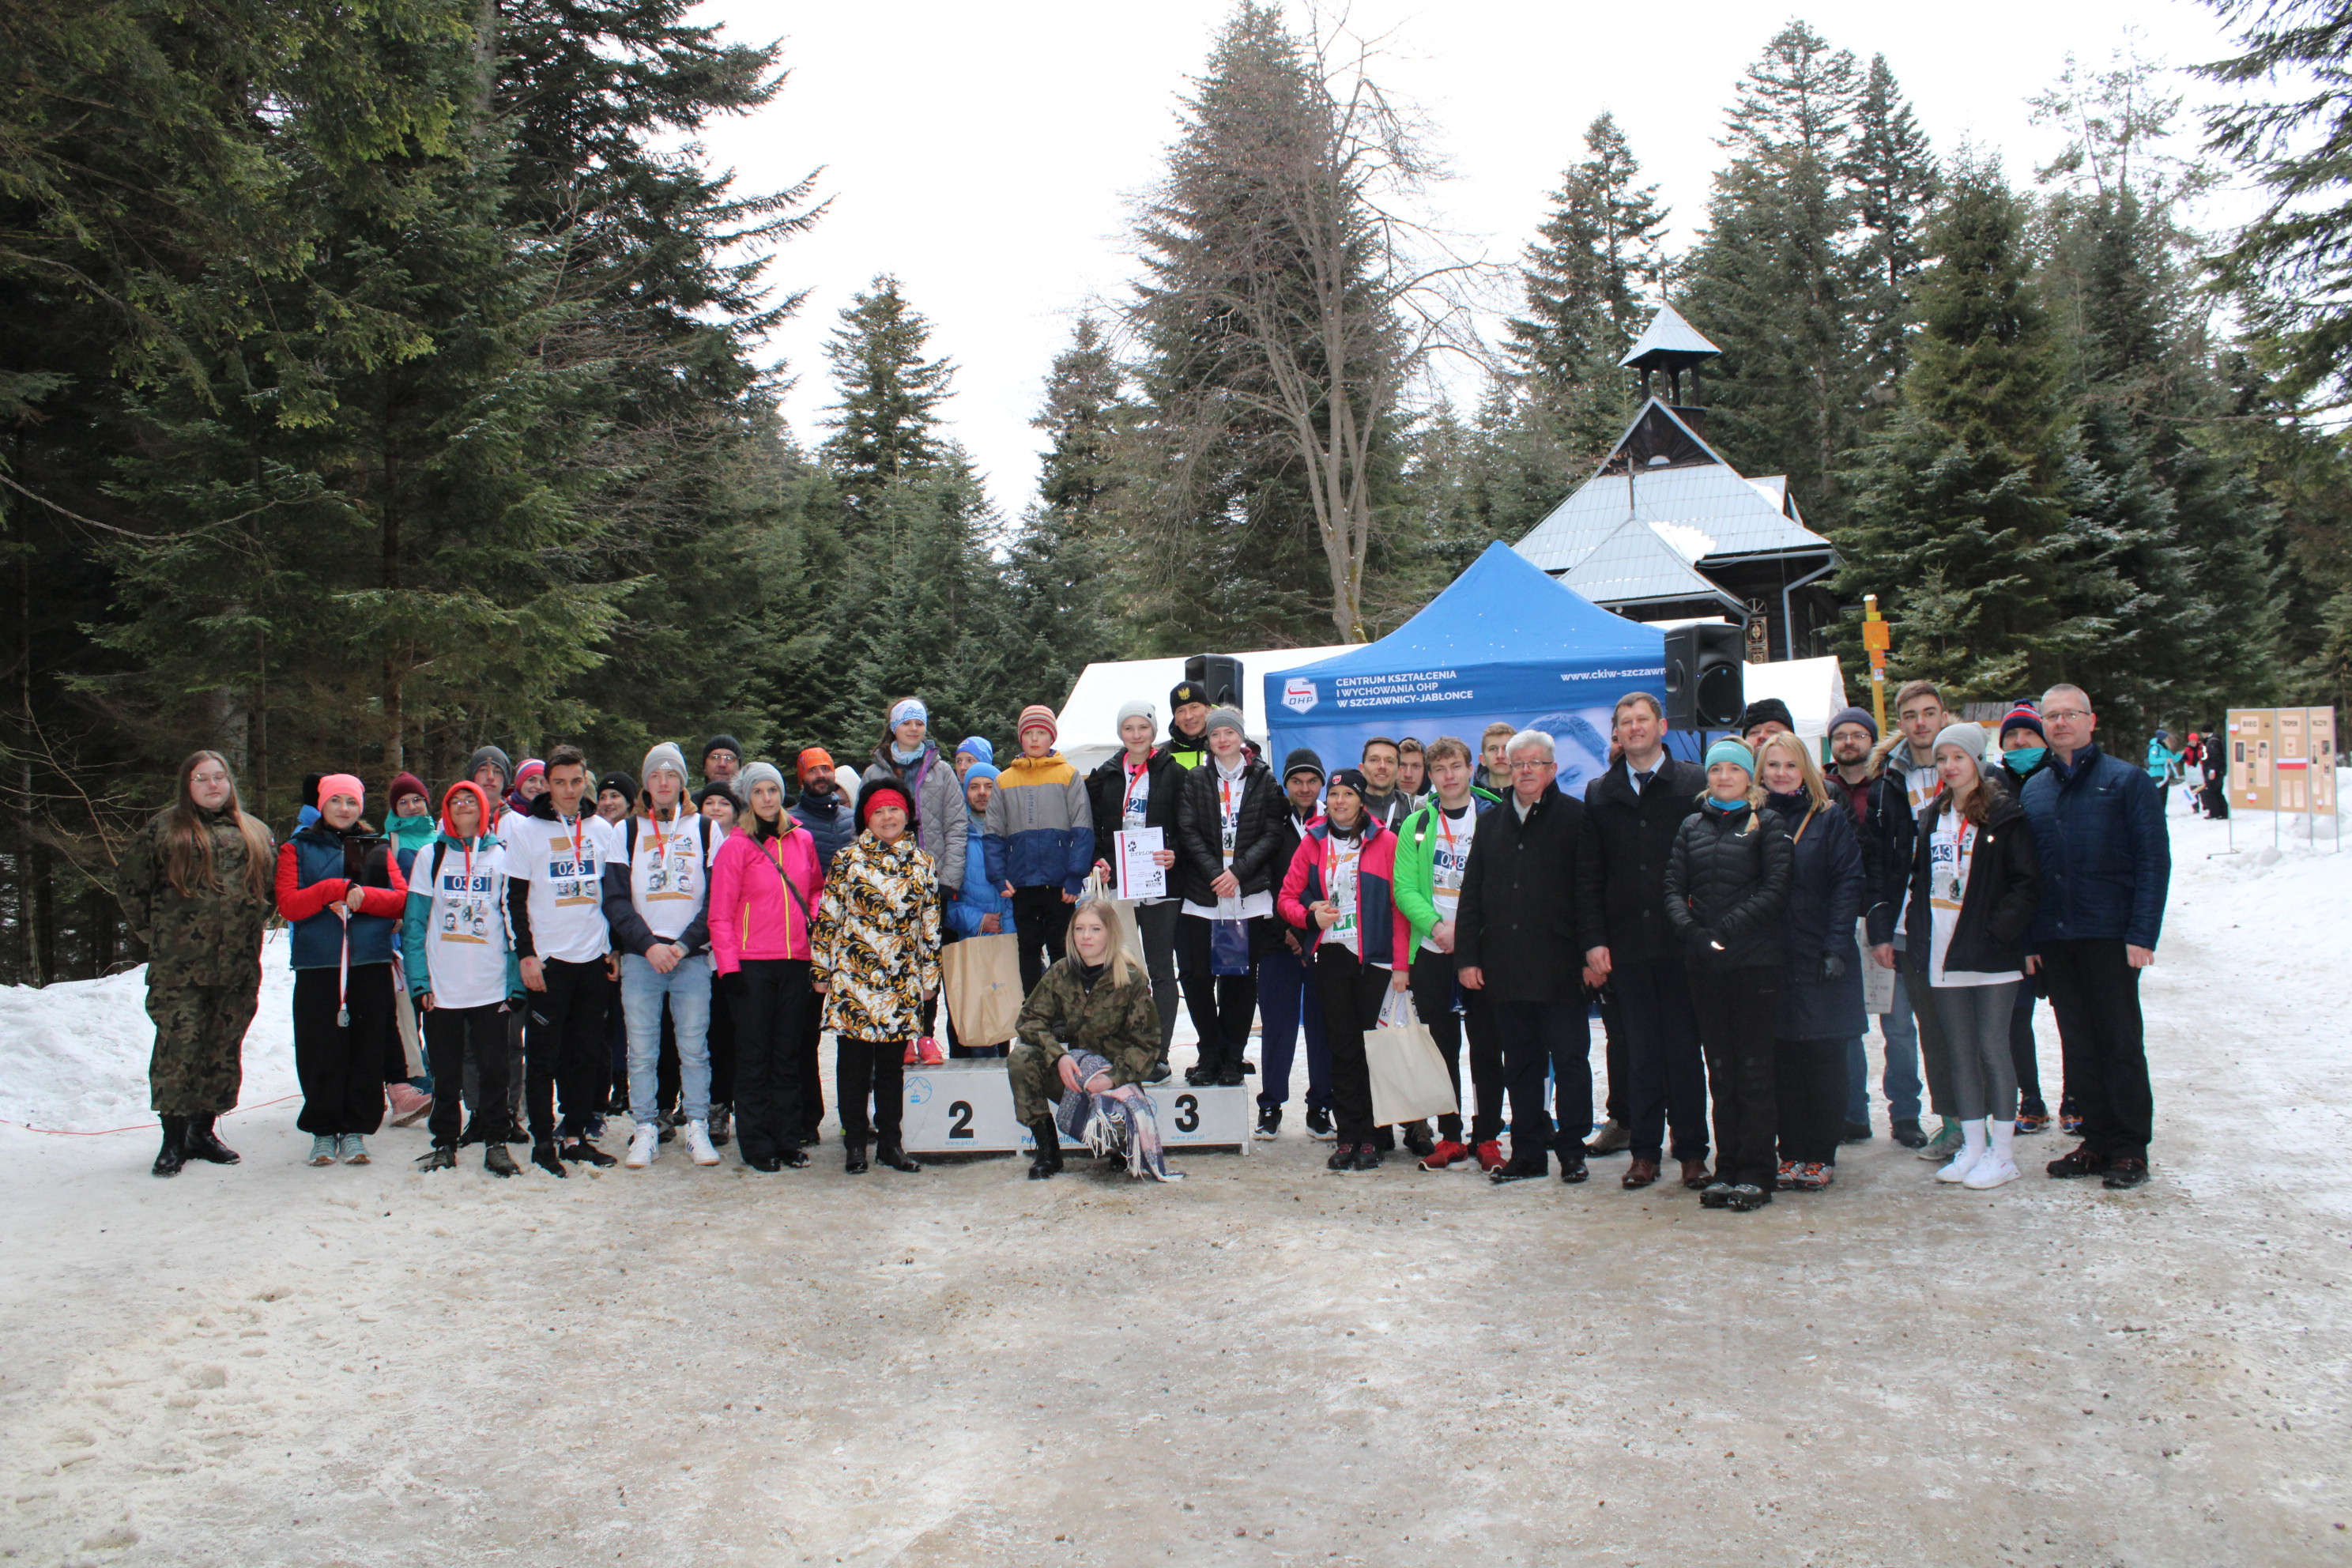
[1037,716]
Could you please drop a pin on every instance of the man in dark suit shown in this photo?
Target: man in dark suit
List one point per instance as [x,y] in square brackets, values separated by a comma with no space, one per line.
[1631,814]
[1516,943]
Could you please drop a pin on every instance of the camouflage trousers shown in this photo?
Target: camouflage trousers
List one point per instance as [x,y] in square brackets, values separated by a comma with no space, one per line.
[1036,1082]
[199,1061]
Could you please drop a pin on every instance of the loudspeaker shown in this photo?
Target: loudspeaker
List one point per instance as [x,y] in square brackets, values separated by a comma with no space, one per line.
[1703,687]
[1220,675]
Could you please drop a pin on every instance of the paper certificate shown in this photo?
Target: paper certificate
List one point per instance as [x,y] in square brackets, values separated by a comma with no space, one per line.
[1139,875]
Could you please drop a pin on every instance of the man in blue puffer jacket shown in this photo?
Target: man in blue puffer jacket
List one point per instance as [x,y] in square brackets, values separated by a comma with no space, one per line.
[2107,861]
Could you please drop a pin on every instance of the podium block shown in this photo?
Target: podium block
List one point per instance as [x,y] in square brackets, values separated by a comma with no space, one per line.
[966,1107]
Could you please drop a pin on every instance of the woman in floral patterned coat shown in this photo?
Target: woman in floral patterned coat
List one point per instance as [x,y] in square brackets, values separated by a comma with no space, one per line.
[878,960]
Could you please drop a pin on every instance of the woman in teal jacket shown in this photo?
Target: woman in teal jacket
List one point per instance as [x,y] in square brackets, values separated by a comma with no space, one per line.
[459,956]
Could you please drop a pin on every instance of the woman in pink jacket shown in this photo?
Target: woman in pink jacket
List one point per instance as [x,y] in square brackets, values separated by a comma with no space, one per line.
[765,887]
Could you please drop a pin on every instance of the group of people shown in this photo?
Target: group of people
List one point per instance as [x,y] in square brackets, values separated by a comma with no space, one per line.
[537,950]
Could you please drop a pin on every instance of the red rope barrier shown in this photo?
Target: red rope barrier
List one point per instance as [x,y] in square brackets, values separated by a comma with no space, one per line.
[137,1127]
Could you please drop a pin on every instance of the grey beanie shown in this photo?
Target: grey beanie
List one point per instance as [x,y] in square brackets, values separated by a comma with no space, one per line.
[1967,734]
[666,755]
[490,754]
[758,772]
[1226,718]
[1139,709]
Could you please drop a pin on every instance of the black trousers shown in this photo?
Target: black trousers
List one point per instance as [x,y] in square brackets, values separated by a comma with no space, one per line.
[1735,1011]
[1555,1038]
[563,1047]
[765,996]
[342,1068]
[449,1033]
[1043,919]
[513,1045]
[1615,1054]
[1222,1006]
[2095,991]
[1351,992]
[1665,1071]
[2022,1055]
[1433,1004]
[1810,1086]
[869,1068]
[811,1076]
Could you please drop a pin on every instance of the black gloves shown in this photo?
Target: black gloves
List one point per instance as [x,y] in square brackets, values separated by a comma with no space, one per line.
[1832,965]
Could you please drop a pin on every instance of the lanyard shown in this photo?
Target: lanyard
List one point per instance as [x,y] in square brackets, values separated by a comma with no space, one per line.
[661,838]
[1229,819]
[1140,772]
[1332,861]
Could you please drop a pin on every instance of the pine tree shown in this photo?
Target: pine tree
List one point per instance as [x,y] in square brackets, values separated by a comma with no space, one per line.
[1591,275]
[1962,503]
[1892,175]
[884,427]
[1055,571]
[1775,283]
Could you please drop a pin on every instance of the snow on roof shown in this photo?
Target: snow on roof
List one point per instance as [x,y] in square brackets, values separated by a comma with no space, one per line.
[1708,499]
[1637,563]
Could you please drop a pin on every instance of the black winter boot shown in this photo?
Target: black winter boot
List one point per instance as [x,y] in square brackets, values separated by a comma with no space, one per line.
[204,1144]
[898,1159]
[1047,1161]
[174,1152]
[853,1156]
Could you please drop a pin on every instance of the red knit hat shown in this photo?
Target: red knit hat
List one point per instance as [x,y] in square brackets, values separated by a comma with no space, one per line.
[406,785]
[1037,716]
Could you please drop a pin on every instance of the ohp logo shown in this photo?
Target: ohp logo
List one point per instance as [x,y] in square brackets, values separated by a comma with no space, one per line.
[1299,694]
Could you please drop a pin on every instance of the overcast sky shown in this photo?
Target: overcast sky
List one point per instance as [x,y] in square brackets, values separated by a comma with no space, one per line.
[988,155]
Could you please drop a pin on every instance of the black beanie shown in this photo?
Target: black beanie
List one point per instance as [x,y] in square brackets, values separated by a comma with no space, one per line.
[1303,760]
[1770,708]
[722,743]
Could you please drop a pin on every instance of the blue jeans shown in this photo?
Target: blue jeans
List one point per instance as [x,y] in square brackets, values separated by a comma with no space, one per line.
[687,987]
[1286,1000]
[1901,1033]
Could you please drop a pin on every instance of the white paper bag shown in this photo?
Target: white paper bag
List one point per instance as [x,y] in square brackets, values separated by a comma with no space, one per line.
[1877,982]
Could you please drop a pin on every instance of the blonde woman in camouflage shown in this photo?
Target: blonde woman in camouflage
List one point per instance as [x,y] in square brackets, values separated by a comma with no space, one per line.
[196,886]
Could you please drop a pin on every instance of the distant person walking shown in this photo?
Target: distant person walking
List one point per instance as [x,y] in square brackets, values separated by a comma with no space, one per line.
[196,886]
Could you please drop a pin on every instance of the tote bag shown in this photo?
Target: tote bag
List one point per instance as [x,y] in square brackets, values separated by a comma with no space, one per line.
[980,979]
[1409,1078]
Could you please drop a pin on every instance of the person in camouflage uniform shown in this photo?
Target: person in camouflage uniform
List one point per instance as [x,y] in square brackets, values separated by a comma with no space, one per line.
[1093,1002]
[195,887]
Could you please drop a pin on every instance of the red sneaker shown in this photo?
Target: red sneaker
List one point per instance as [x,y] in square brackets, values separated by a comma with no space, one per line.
[927,1049]
[1446,1156]
[1490,1155]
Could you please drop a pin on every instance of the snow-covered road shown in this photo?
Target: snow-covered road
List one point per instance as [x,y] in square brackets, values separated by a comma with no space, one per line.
[1267,1364]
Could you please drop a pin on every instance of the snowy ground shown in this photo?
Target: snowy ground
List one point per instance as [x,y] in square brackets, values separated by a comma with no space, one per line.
[272,1365]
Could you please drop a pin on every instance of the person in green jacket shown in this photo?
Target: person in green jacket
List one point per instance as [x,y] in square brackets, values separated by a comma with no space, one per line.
[1432,847]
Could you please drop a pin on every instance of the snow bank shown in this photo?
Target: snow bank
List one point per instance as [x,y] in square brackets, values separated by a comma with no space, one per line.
[73,1056]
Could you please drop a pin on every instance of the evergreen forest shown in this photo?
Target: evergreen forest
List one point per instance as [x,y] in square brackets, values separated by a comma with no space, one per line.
[379,381]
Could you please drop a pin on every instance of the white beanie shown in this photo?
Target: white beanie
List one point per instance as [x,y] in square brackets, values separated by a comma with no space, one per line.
[666,755]
[1139,709]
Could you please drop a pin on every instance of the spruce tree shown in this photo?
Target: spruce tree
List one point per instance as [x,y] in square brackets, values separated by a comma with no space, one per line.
[1892,175]
[884,425]
[1775,283]
[1962,503]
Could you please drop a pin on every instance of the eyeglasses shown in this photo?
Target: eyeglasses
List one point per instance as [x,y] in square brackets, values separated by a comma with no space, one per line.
[1519,763]
[2065,713]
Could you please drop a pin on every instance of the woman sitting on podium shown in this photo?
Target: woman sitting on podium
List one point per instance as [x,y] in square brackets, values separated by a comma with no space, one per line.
[1087,1041]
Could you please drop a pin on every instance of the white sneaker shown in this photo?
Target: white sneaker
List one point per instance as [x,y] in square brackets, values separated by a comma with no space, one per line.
[644,1145]
[1973,1149]
[697,1143]
[1990,1171]
[1999,1164]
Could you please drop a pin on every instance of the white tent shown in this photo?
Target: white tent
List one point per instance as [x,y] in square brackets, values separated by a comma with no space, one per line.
[1090,719]
[1815,689]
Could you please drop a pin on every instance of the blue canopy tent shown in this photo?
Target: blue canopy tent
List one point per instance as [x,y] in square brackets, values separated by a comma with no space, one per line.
[1503,642]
